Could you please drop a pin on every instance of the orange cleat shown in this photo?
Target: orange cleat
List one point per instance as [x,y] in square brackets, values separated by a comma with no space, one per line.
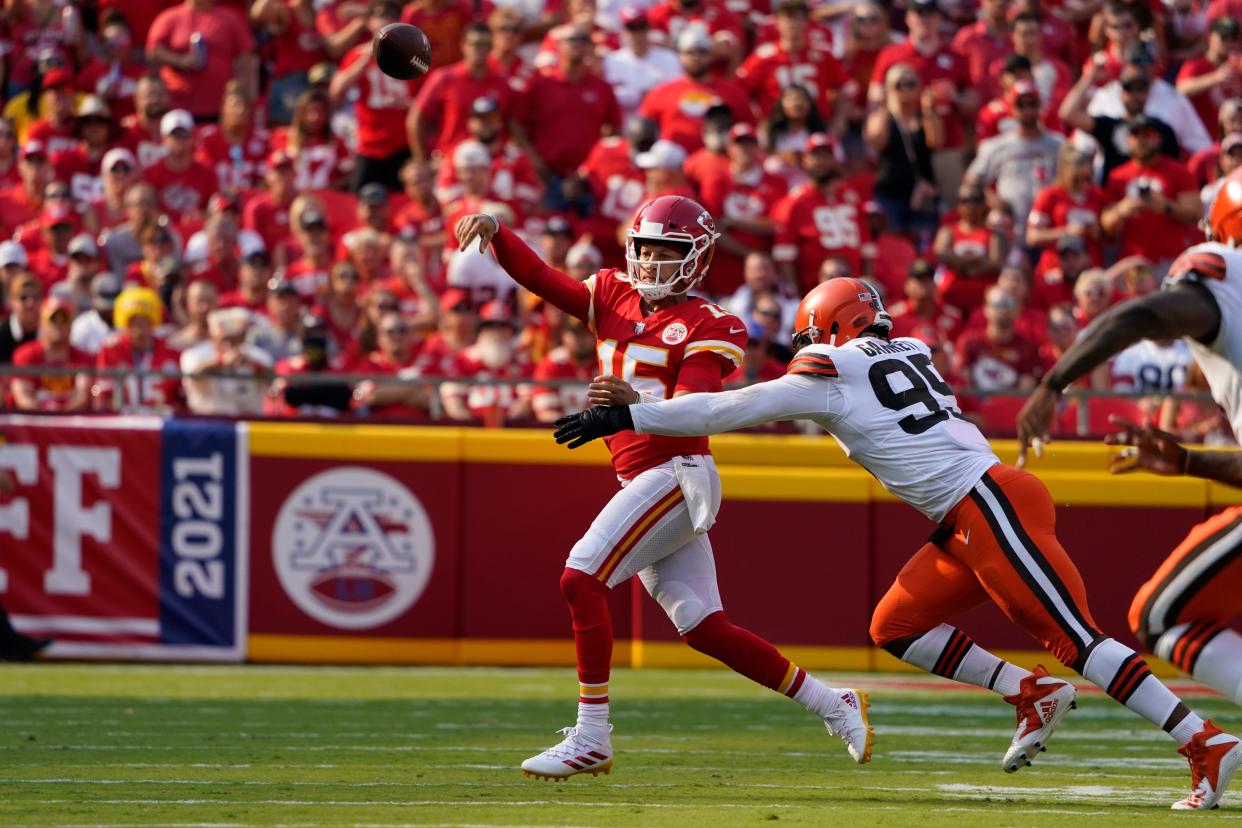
[1042,702]
[1214,756]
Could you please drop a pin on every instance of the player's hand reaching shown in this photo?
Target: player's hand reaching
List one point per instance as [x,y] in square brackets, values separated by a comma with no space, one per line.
[1034,421]
[479,226]
[609,390]
[585,426]
[1147,447]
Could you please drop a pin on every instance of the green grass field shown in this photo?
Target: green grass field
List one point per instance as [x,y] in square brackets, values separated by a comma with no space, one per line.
[206,746]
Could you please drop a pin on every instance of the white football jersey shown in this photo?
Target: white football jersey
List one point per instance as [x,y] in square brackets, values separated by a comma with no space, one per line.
[884,403]
[1218,267]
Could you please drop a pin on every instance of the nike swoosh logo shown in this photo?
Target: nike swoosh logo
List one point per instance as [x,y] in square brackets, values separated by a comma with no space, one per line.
[736,330]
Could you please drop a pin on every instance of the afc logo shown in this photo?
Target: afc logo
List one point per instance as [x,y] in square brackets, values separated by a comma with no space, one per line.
[353,548]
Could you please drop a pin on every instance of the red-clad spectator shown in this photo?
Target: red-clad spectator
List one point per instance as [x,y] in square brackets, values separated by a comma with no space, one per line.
[576,13]
[758,366]
[320,159]
[139,14]
[1059,335]
[997,115]
[117,172]
[1050,75]
[113,74]
[374,214]
[820,219]
[51,348]
[1060,35]
[222,262]
[742,200]
[158,261]
[284,332]
[711,160]
[639,65]
[616,183]
[564,111]
[252,278]
[23,295]
[307,399]
[1093,294]
[395,356]
[1069,208]
[79,166]
[996,357]
[84,265]
[662,167]
[819,31]
[1154,201]
[985,42]
[340,310]
[22,202]
[438,120]
[1204,165]
[410,288]
[136,315]
[308,270]
[421,217]
[792,59]
[200,302]
[969,252]
[56,129]
[342,26]
[506,59]
[572,361]
[35,29]
[491,357]
[294,45]
[679,106]
[267,212]
[1054,285]
[444,22]
[8,154]
[472,164]
[1216,76]
[141,130]
[1030,321]
[441,352]
[946,74]
[50,261]
[235,149]
[200,46]
[55,195]
[514,180]
[183,184]
[867,34]
[672,18]
[1121,32]
[922,314]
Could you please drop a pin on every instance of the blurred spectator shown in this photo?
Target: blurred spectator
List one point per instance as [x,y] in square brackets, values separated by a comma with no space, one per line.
[1204,165]
[1093,294]
[1014,166]
[382,102]
[793,59]
[441,351]
[225,376]
[1060,334]
[138,312]
[785,133]
[79,165]
[663,167]
[491,357]
[573,360]
[1030,321]
[1121,29]
[295,46]
[24,294]
[314,399]
[996,357]
[482,277]
[1053,283]
[123,243]
[742,199]
[951,97]
[513,179]
[867,33]
[118,171]
[554,243]
[673,18]
[92,327]
[1215,77]
[267,212]
[201,300]
[678,106]
[969,252]
[472,165]
[1163,101]
[1068,208]
[639,65]
[320,159]
[339,310]
[1109,131]
[235,148]
[614,181]
[1154,200]
[50,260]
[84,264]
[200,46]
[51,348]
[437,120]
[1151,366]
[922,314]
[415,297]
[1050,75]
[507,59]
[367,250]
[342,26]
[252,279]
[710,159]
[222,261]
[758,366]
[997,115]
[113,73]
[22,202]
[1185,30]
[984,42]
[183,184]
[904,131]
[55,130]
[280,335]
[1229,160]
[142,129]
[421,218]
[8,154]
[444,22]
[312,258]
[759,279]
[819,219]
[26,104]
[394,357]
[582,260]
[771,326]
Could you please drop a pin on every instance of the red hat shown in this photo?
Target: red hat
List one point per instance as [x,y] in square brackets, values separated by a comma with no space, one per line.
[633,14]
[53,304]
[495,313]
[280,158]
[820,141]
[34,147]
[219,202]
[743,132]
[453,297]
[1023,89]
[55,214]
[57,77]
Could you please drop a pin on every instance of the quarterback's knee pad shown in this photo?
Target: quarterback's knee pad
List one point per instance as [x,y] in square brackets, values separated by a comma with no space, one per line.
[576,584]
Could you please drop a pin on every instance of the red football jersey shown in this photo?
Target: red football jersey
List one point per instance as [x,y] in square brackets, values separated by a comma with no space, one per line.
[563,399]
[1056,206]
[992,366]
[144,143]
[1149,233]
[80,172]
[52,393]
[615,181]
[514,180]
[812,227]
[138,392]
[647,351]
[55,139]
[770,69]
[962,292]
[181,192]
[382,105]
[237,166]
[745,196]
[318,162]
[678,107]
[668,22]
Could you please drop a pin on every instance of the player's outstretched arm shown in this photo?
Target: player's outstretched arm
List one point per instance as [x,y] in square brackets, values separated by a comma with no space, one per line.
[1188,310]
[524,265]
[1153,450]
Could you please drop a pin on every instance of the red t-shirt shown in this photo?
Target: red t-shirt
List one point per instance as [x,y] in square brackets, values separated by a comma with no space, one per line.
[52,393]
[617,184]
[298,48]
[514,180]
[960,291]
[181,192]
[745,196]
[668,22]
[940,328]
[139,14]
[55,138]
[16,209]
[444,26]
[944,68]
[145,144]
[445,101]
[81,172]
[226,35]
[565,118]
[812,227]
[115,84]
[318,162]
[48,267]
[770,69]
[1049,288]
[678,107]
[981,49]
[237,166]
[565,399]
[267,218]
[1056,206]
[992,366]
[1207,103]
[382,106]
[1148,233]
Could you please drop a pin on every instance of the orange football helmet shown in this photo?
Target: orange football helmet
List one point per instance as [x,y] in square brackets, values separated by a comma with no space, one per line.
[1224,223]
[842,307]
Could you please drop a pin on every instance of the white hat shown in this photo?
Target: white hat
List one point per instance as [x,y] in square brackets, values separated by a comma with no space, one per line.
[584,254]
[12,253]
[663,155]
[176,119]
[83,243]
[228,322]
[250,244]
[693,37]
[471,154]
[117,154]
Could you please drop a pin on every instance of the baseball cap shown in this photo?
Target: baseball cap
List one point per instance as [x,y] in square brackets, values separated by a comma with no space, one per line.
[228,322]
[12,253]
[558,226]
[55,215]
[584,255]
[320,73]
[1023,89]
[1227,27]
[1142,122]
[83,243]
[373,194]
[56,304]
[105,287]
[484,106]
[219,202]
[279,158]
[93,106]
[251,245]
[743,132]
[634,17]
[454,298]
[280,286]
[57,78]
[176,119]
[820,141]
[470,154]
[924,6]
[1071,244]
[693,37]
[34,147]
[312,217]
[1230,142]
[118,155]
[921,269]
[663,155]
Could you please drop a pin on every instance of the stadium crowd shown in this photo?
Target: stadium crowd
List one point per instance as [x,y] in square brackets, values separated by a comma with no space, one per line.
[234,190]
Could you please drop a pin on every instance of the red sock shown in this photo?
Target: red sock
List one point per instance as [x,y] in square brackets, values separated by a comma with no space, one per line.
[741,650]
[588,604]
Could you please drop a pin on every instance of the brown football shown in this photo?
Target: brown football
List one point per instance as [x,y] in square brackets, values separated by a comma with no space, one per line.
[402,51]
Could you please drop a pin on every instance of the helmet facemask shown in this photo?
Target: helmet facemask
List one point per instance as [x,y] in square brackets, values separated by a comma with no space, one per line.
[673,277]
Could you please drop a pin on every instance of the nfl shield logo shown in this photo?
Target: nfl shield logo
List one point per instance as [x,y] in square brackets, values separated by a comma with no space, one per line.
[639,327]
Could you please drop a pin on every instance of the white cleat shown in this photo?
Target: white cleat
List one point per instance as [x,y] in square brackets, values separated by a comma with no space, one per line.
[849,721]
[574,755]
[1042,702]
[1214,756]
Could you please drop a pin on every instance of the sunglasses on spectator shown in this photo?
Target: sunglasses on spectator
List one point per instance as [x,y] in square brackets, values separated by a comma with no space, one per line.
[388,307]
[908,83]
[347,275]
[1122,26]
[866,18]
[974,198]
[1137,85]
[395,331]
[29,299]
[771,312]
[508,28]
[1026,103]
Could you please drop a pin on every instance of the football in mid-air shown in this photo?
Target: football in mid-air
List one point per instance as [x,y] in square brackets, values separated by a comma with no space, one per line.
[402,51]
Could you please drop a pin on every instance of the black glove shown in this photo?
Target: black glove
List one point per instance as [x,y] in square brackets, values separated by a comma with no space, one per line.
[587,425]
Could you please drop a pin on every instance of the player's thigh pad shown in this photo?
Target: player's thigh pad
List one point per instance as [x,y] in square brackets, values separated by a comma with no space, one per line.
[684,584]
[931,588]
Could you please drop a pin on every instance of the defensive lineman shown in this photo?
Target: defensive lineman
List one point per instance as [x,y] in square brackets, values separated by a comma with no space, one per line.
[662,342]
[894,415]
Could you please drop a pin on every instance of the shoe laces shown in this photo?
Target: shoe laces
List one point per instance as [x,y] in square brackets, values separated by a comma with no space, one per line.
[1198,767]
[1026,712]
[573,743]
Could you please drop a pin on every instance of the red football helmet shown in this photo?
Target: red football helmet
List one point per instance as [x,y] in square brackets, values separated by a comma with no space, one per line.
[842,307]
[1224,223]
[679,222]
